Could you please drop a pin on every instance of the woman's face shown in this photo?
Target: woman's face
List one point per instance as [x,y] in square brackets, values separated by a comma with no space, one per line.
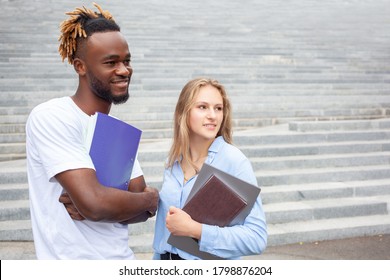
[206,115]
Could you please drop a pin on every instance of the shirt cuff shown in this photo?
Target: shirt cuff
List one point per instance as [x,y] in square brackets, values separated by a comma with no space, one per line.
[209,238]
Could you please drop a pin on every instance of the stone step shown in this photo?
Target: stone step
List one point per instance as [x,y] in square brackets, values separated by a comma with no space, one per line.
[163,128]
[272,111]
[325,190]
[284,212]
[266,151]
[13,119]
[139,88]
[13,177]
[321,161]
[152,125]
[156,85]
[11,157]
[279,134]
[12,128]
[263,117]
[152,169]
[142,243]
[273,194]
[15,170]
[267,178]
[179,80]
[312,159]
[13,138]
[18,191]
[308,231]
[268,158]
[278,234]
[317,175]
[154,121]
[14,110]
[14,210]
[310,149]
[339,125]
[287,75]
[236,92]
[328,229]
[13,148]
[16,230]
[66,85]
[287,212]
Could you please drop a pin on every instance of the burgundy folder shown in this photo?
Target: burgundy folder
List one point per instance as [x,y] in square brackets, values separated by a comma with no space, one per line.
[215,203]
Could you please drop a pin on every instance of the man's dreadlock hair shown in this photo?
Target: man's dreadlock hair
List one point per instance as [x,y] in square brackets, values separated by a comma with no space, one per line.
[82,23]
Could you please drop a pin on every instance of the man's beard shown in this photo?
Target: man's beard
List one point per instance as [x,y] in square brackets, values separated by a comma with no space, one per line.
[104,92]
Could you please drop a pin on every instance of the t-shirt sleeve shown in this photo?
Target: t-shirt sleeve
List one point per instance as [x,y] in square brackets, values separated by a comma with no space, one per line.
[58,140]
[137,171]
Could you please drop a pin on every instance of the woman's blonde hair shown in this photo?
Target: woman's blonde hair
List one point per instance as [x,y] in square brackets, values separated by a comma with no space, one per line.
[180,149]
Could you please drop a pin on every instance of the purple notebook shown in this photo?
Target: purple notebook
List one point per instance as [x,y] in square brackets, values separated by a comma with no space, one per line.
[113,149]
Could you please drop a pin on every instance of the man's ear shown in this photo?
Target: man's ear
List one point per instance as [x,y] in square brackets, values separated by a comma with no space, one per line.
[79,66]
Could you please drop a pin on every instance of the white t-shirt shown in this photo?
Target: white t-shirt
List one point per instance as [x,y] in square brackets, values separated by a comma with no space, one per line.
[55,133]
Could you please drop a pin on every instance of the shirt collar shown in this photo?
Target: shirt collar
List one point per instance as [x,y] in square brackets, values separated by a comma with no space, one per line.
[213,150]
[217,144]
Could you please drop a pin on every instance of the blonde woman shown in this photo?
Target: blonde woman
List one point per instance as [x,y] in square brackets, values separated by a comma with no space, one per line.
[203,134]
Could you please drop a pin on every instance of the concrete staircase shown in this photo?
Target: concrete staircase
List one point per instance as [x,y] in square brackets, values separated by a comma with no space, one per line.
[274,72]
[310,95]
[320,180]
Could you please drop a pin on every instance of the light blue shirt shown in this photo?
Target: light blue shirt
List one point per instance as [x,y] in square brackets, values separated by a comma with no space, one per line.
[232,242]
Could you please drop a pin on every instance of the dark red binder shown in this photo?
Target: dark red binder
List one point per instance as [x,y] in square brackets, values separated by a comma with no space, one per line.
[215,203]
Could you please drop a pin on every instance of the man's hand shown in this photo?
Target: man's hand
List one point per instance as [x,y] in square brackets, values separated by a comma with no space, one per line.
[148,214]
[69,206]
[155,199]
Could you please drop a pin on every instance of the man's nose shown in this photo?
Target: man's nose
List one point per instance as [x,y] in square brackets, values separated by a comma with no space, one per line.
[124,70]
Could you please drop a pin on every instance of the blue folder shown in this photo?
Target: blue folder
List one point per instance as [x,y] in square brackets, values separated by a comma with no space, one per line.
[113,149]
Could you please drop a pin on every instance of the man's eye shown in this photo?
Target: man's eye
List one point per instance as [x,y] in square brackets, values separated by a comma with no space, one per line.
[110,62]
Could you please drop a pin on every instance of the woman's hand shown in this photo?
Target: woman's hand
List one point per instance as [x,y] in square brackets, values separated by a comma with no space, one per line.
[180,223]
